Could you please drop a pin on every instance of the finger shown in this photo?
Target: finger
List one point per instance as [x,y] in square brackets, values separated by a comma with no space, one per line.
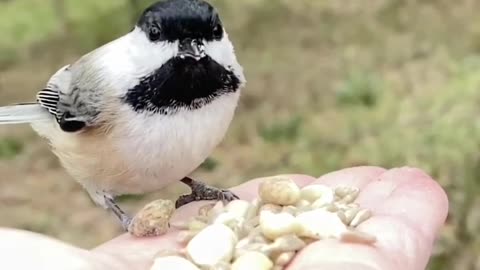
[355,177]
[24,250]
[141,251]
[409,208]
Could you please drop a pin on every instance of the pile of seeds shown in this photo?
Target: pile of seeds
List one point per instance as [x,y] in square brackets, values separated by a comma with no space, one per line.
[267,232]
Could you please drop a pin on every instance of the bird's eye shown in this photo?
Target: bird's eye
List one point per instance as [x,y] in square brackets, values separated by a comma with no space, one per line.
[154,33]
[217,31]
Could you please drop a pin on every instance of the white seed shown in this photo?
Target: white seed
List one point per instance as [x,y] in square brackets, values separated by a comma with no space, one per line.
[343,191]
[350,214]
[173,262]
[321,202]
[317,193]
[169,252]
[257,247]
[239,208]
[331,207]
[319,224]
[196,225]
[284,258]
[302,204]
[254,209]
[220,241]
[353,205]
[287,243]
[228,218]
[252,261]
[271,207]
[275,225]
[216,210]
[184,237]
[290,209]
[153,219]
[353,236]
[360,217]
[349,198]
[341,215]
[279,190]
[221,266]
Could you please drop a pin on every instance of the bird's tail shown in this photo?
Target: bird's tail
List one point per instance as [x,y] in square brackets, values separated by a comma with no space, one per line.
[24,113]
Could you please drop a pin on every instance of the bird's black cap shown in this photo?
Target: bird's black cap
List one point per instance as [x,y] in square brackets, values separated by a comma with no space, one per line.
[180,19]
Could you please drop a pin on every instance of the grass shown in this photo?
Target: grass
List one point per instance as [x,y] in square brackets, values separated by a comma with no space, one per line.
[332,84]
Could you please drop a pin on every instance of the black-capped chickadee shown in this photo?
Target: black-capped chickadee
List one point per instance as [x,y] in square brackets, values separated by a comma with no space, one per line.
[144,110]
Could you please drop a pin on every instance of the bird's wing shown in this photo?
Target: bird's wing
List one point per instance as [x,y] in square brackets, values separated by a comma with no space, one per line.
[49,97]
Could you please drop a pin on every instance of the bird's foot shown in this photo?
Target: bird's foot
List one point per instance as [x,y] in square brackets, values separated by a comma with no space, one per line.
[201,191]
[125,220]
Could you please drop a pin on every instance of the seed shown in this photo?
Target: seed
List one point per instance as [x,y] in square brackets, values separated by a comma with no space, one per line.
[271,207]
[196,225]
[239,208]
[153,219]
[284,258]
[184,237]
[331,207]
[350,214]
[319,224]
[169,252]
[292,210]
[252,261]
[314,193]
[341,215]
[173,262]
[343,191]
[275,225]
[349,198]
[203,211]
[360,217]
[287,243]
[352,236]
[279,190]
[220,240]
[254,209]
[302,204]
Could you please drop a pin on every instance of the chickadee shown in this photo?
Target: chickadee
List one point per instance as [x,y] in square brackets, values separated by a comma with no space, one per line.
[144,110]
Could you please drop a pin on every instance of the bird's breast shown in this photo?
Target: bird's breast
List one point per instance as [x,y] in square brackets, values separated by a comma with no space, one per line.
[156,149]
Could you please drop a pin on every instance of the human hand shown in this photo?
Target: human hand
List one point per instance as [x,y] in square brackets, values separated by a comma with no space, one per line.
[409,209]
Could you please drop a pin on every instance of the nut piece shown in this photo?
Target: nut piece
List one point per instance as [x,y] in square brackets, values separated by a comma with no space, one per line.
[319,194]
[284,258]
[153,219]
[173,262]
[350,214]
[360,217]
[252,260]
[279,190]
[287,243]
[343,191]
[275,225]
[220,241]
[239,208]
[319,224]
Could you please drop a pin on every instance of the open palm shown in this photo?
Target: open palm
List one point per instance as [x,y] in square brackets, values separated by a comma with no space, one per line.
[409,209]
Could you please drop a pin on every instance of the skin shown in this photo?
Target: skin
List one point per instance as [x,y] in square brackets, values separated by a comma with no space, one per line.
[409,210]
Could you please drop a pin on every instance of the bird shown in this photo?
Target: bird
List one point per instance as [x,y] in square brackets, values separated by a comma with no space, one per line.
[143,110]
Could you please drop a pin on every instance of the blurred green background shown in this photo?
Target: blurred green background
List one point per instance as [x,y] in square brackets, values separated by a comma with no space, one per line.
[331,84]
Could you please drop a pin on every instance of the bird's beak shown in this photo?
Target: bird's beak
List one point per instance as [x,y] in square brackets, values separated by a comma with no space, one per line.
[191,48]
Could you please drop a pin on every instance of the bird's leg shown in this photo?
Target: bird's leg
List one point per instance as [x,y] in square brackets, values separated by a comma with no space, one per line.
[201,191]
[113,206]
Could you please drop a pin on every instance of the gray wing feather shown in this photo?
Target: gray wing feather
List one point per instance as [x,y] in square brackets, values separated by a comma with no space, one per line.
[49,97]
